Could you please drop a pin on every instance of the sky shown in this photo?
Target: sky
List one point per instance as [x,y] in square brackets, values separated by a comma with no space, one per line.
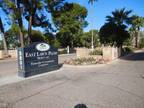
[100,9]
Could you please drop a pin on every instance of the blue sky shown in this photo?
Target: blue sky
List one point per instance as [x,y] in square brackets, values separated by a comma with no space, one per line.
[100,9]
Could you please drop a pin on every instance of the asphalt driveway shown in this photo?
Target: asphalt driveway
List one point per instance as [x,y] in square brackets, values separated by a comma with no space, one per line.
[119,84]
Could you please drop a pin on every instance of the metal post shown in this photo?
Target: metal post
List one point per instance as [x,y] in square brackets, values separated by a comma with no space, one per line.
[92,42]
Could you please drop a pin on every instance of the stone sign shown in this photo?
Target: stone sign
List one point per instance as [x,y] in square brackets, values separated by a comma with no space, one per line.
[37,58]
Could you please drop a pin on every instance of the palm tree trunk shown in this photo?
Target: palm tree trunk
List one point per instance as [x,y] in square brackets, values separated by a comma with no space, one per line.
[20,22]
[5,46]
[21,38]
[29,29]
[137,39]
[21,35]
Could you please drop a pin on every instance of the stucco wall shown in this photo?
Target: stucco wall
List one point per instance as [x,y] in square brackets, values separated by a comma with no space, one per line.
[85,52]
[1,54]
[109,53]
[13,53]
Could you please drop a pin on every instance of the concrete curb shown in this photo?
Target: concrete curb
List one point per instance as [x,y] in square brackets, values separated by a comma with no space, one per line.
[7,60]
[67,54]
[84,66]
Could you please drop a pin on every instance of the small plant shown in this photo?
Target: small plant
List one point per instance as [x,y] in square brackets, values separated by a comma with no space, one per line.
[84,61]
[96,52]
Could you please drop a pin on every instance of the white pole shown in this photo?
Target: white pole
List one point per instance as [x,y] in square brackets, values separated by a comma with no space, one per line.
[68,50]
[92,42]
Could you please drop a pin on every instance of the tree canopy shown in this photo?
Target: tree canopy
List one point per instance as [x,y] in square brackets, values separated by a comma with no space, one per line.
[86,39]
[119,16]
[69,21]
[114,32]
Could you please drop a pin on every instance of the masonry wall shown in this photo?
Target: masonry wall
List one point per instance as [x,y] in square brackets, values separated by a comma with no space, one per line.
[12,53]
[1,54]
[85,52]
[109,53]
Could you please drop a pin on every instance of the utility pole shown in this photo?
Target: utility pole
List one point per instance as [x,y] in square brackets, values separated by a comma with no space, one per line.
[92,41]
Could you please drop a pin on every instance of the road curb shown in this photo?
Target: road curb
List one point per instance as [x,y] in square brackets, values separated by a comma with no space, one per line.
[84,66]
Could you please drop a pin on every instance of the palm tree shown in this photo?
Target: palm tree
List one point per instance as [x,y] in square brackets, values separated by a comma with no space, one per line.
[136,23]
[92,1]
[4,40]
[119,16]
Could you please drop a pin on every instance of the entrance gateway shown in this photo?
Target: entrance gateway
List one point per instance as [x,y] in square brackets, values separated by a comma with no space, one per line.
[37,58]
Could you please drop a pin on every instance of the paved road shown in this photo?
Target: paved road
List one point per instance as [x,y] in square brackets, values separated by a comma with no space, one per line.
[116,85]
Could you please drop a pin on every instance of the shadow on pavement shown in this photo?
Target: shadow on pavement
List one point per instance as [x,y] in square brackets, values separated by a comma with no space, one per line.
[80,106]
[138,56]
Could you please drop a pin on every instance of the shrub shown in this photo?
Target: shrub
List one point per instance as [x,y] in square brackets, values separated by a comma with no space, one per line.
[37,36]
[64,51]
[127,50]
[1,45]
[84,61]
[96,52]
[142,43]
[56,43]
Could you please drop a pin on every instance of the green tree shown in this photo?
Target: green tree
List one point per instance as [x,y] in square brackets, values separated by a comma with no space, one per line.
[13,9]
[119,16]
[113,34]
[70,20]
[37,36]
[34,14]
[136,23]
[1,45]
[114,31]
[12,36]
[2,31]
[92,1]
[52,40]
[34,11]
[87,38]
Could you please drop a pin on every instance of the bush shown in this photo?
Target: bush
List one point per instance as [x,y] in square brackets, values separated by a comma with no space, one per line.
[56,43]
[37,36]
[96,52]
[127,50]
[1,45]
[142,43]
[90,60]
[64,51]
[84,61]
